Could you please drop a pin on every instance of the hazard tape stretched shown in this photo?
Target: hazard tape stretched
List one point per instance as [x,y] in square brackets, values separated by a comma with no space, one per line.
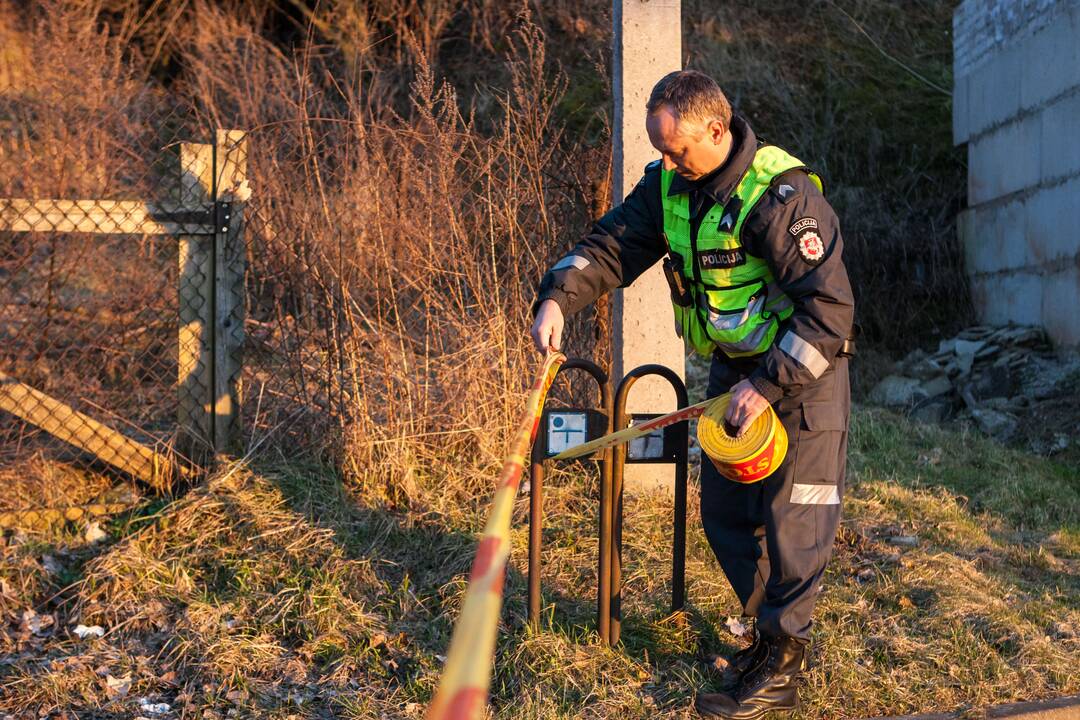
[749,457]
[466,676]
[634,432]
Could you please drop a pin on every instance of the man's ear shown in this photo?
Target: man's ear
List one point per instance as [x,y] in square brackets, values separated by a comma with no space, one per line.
[716,131]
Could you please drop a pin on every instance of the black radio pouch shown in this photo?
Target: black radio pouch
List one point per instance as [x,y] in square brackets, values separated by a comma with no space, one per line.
[673,265]
[680,294]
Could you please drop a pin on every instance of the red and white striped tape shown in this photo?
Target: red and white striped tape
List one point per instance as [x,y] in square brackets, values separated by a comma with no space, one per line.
[466,677]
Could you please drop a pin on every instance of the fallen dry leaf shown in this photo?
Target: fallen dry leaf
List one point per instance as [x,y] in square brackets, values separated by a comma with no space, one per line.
[36,624]
[117,688]
[736,627]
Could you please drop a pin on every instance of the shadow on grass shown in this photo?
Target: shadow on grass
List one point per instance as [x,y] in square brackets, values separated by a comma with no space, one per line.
[424,556]
[423,560]
[1030,493]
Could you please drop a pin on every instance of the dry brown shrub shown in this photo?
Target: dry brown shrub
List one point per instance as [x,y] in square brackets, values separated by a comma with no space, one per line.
[395,253]
[395,237]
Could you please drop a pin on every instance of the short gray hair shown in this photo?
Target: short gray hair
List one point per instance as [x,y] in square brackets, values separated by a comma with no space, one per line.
[692,96]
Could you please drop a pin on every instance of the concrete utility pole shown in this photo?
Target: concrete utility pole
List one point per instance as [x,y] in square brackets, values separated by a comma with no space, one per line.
[648,45]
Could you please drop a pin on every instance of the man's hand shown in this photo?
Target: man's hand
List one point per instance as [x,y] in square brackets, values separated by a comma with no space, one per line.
[745,406]
[548,326]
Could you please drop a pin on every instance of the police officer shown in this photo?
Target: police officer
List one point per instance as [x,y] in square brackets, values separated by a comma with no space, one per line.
[753,254]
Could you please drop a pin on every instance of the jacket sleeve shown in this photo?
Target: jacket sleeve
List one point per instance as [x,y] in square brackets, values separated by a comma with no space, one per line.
[623,244]
[797,232]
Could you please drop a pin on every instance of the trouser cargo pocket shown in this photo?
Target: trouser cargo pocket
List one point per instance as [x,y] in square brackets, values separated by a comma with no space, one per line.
[817,461]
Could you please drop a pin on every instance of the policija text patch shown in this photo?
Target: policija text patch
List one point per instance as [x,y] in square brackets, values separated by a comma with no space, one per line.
[720,259]
[808,241]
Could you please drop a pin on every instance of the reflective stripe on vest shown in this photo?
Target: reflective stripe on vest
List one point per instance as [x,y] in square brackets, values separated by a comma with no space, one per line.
[737,303]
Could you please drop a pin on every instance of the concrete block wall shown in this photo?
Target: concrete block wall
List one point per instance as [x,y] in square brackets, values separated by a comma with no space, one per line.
[1016,104]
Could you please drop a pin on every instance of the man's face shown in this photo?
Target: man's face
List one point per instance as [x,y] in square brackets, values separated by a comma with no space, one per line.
[692,149]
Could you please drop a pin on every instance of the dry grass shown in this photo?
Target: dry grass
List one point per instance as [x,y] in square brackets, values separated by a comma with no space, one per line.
[415,168]
[275,593]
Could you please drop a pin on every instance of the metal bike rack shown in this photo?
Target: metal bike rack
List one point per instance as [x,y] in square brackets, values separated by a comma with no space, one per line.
[665,445]
[573,426]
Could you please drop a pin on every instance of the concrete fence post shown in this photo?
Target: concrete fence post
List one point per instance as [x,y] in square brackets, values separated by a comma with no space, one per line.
[648,45]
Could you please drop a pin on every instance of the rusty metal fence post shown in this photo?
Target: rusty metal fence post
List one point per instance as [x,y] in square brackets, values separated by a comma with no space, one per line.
[596,422]
[670,445]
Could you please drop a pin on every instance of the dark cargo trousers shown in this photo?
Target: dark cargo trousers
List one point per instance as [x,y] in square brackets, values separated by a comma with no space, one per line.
[773,538]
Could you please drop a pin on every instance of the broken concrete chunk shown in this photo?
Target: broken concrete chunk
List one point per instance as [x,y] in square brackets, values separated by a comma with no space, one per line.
[896,391]
[935,410]
[968,347]
[964,363]
[975,332]
[994,381]
[933,387]
[995,423]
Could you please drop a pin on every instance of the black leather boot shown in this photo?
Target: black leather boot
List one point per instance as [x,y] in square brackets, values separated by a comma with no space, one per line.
[744,661]
[773,685]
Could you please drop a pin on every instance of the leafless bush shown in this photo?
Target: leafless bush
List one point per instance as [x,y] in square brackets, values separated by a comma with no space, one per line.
[399,221]
[403,248]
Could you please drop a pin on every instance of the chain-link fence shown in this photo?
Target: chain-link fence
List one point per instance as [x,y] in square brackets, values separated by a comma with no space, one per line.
[123,306]
[121,298]
[367,298]
[84,342]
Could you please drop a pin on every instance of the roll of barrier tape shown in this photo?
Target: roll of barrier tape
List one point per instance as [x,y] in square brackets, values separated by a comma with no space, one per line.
[749,457]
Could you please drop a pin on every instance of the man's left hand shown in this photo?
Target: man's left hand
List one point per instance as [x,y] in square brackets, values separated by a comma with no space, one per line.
[745,406]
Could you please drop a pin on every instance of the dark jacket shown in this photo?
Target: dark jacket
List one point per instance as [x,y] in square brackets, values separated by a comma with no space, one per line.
[627,241]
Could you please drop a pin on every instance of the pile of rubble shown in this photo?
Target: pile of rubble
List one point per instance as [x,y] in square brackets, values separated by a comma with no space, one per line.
[992,375]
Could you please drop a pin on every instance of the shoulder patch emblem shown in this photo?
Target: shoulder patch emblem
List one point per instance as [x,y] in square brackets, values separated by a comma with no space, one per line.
[811,247]
[802,224]
[727,223]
